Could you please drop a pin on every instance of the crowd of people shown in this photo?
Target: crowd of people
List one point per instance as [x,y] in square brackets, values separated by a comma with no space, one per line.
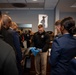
[13,42]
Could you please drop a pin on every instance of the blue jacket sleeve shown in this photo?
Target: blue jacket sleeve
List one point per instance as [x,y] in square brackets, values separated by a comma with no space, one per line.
[17,46]
[55,52]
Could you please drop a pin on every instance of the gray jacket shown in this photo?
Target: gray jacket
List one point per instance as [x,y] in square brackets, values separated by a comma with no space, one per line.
[7,59]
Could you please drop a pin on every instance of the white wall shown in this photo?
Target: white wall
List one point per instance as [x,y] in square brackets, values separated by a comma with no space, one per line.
[31,17]
[65,14]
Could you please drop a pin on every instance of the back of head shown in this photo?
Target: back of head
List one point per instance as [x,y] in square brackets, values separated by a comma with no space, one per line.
[6,19]
[69,25]
[57,22]
[14,26]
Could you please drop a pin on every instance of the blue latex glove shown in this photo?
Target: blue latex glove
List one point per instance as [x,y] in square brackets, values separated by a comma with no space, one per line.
[39,49]
[34,50]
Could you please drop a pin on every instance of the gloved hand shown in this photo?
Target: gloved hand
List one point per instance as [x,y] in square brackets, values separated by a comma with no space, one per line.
[32,48]
[40,50]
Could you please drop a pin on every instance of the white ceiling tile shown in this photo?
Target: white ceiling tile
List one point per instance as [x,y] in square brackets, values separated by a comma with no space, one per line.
[38,1]
[50,3]
[16,1]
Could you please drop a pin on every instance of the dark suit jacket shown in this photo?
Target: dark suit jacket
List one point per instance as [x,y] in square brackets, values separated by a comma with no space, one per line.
[16,42]
[7,36]
[7,59]
[12,38]
[63,50]
[72,67]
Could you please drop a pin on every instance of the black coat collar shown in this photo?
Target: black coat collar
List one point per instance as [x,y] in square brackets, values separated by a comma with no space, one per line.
[41,33]
[1,36]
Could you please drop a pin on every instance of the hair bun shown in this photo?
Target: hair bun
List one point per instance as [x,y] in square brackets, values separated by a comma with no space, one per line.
[72,30]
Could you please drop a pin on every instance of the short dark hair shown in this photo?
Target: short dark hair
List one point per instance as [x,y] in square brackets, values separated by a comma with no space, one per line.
[40,26]
[69,25]
[57,22]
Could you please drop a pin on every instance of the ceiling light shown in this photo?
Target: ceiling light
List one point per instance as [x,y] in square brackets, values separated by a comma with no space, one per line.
[34,0]
[74,5]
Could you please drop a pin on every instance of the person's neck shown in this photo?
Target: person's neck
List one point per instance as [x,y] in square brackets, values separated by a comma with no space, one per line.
[6,27]
[11,28]
[41,32]
[65,32]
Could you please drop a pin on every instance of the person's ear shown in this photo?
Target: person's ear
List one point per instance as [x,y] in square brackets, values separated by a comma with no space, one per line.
[62,27]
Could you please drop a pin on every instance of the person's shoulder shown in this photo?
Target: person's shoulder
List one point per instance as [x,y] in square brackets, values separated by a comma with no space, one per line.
[74,36]
[5,49]
[10,31]
[36,33]
[14,32]
[58,38]
[5,45]
[46,33]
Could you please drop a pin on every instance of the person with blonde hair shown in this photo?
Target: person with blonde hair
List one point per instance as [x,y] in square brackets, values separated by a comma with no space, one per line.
[16,42]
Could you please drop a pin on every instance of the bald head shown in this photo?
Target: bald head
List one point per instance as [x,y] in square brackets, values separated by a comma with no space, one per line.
[7,21]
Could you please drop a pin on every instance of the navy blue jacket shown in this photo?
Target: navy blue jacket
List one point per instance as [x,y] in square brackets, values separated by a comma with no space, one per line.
[72,67]
[63,50]
[16,43]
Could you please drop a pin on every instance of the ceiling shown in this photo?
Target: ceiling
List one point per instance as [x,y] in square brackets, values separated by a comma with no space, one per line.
[67,5]
[62,5]
[27,4]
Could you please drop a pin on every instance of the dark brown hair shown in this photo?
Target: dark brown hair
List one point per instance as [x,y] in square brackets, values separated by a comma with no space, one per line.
[57,22]
[69,25]
[40,26]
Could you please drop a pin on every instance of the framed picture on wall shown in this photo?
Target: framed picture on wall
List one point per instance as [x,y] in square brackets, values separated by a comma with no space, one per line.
[43,19]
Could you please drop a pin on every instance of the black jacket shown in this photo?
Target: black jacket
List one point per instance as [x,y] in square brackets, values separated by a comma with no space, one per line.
[7,36]
[7,59]
[41,41]
[11,37]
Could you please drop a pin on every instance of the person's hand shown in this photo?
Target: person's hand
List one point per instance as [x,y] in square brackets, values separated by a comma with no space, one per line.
[22,62]
[40,50]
